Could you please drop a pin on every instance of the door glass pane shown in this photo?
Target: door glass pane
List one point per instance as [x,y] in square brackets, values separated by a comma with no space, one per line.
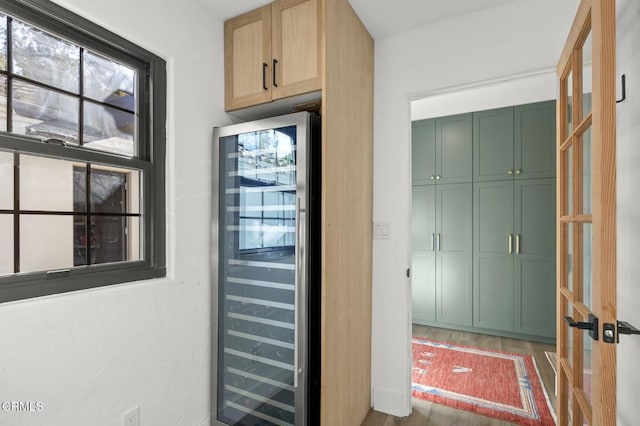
[569,118]
[6,244]
[570,312]
[587,79]
[6,180]
[586,171]
[569,158]
[570,256]
[257,277]
[586,265]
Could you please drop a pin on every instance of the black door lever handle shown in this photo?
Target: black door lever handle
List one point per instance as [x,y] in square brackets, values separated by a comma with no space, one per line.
[592,325]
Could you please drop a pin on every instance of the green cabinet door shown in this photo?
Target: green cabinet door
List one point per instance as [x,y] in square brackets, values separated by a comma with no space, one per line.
[423,262]
[534,140]
[493,145]
[423,152]
[454,218]
[493,255]
[535,259]
[454,149]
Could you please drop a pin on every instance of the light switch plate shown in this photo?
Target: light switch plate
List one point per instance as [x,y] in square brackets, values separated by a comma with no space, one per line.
[131,417]
[381,230]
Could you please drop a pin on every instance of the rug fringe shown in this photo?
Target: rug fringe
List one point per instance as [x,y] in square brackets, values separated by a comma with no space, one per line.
[544,391]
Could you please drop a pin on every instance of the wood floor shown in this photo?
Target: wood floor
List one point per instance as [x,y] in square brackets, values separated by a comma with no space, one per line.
[426,413]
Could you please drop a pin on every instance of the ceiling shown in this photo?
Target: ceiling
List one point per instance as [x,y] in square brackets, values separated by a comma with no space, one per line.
[381,17]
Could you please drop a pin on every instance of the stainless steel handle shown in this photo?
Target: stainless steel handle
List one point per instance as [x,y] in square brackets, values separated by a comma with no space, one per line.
[518,171]
[299,281]
[433,244]
[510,243]
[517,243]
[438,242]
[509,172]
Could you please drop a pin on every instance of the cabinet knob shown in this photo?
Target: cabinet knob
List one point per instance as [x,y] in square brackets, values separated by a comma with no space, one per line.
[509,172]
[518,171]
[432,177]
[438,177]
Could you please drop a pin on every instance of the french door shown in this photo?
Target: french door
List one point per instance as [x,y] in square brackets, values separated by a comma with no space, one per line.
[587,327]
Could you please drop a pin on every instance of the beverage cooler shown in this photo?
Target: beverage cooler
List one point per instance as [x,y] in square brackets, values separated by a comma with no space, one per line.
[266,272]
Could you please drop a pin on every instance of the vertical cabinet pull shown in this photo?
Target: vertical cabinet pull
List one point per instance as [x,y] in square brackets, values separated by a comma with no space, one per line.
[275,62]
[517,243]
[433,244]
[510,237]
[264,76]
[438,242]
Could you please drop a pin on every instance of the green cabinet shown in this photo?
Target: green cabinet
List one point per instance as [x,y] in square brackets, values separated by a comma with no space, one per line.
[514,142]
[442,254]
[514,256]
[442,150]
[535,259]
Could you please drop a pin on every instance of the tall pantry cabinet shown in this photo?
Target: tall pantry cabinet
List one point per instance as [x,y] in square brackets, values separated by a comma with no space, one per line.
[508,223]
[321,49]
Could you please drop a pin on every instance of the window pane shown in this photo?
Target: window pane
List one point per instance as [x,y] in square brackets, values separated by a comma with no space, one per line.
[3,103]
[109,129]
[109,82]
[110,190]
[44,58]
[3,42]
[6,244]
[44,113]
[586,171]
[110,239]
[46,184]
[6,181]
[46,242]
[587,76]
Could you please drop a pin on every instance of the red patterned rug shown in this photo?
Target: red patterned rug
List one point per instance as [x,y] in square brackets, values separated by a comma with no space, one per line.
[500,385]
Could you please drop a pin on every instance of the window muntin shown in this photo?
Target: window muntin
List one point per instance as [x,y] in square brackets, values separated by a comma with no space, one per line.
[120,130]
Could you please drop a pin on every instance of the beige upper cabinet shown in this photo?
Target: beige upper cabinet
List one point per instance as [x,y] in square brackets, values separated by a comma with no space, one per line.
[273,53]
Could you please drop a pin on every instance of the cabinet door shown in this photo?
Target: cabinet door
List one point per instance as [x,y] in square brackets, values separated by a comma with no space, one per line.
[423,152]
[454,149]
[454,253]
[493,145]
[535,135]
[297,60]
[535,260]
[493,255]
[423,229]
[247,54]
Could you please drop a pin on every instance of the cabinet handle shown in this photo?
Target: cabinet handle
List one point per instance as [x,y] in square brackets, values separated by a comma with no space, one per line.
[518,171]
[432,177]
[517,243]
[509,172]
[433,244]
[264,76]
[510,243]
[438,242]
[437,177]
[275,62]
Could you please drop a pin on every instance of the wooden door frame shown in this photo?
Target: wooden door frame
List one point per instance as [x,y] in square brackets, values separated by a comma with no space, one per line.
[598,17]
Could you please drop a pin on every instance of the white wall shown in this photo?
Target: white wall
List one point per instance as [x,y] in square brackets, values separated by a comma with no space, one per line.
[515,38]
[92,355]
[628,176]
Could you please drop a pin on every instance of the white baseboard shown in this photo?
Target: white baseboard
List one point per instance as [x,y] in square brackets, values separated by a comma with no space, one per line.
[205,422]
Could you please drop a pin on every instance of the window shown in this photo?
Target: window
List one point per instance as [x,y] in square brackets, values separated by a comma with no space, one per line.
[82,154]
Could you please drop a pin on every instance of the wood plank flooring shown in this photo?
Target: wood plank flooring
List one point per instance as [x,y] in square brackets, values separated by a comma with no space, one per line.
[427,413]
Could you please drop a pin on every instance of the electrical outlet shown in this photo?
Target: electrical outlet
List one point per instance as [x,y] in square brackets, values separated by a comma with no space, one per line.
[131,417]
